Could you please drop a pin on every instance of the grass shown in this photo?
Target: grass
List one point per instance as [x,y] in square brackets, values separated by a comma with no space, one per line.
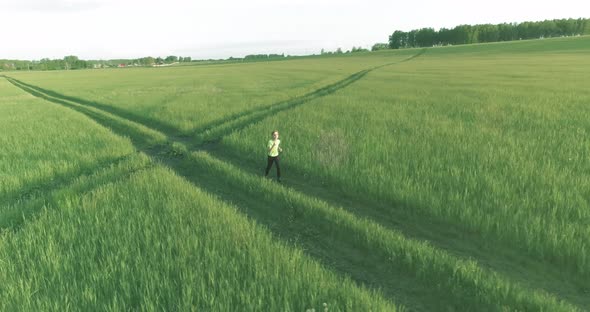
[323,229]
[190,98]
[152,241]
[475,142]
[424,182]
[129,234]
[42,145]
[495,146]
[333,224]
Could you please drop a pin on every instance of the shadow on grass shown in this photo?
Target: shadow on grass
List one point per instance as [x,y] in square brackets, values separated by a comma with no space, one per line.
[44,185]
[409,219]
[13,215]
[148,122]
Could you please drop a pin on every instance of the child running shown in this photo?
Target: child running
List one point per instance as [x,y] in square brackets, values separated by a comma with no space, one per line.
[273,154]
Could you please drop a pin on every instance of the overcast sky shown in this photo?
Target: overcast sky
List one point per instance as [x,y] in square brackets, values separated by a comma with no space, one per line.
[106,29]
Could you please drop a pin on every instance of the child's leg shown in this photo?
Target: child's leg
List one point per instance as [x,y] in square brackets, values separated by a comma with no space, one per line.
[278,167]
[268,165]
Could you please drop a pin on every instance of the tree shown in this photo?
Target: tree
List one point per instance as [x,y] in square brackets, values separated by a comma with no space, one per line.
[411,39]
[397,39]
[359,49]
[507,32]
[585,27]
[171,59]
[73,62]
[425,37]
[529,30]
[488,33]
[444,36]
[461,34]
[473,35]
[548,29]
[70,61]
[379,46]
[147,61]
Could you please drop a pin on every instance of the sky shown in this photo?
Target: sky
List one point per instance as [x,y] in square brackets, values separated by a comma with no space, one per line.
[215,29]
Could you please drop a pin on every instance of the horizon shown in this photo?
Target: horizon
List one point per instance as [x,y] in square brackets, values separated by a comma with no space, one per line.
[286,56]
[109,30]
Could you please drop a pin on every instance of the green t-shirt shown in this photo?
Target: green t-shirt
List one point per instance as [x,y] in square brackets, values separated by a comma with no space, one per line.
[274,152]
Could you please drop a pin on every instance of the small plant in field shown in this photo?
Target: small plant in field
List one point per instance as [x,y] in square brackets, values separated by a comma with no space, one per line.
[332,149]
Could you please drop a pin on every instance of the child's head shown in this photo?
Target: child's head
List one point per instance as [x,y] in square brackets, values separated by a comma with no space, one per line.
[275,134]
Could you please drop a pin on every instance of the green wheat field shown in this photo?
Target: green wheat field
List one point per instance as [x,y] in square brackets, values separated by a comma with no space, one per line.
[439,179]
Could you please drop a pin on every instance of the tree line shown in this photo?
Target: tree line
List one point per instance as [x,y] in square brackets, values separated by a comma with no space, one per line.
[423,37]
[73,62]
[466,34]
[263,56]
[68,62]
